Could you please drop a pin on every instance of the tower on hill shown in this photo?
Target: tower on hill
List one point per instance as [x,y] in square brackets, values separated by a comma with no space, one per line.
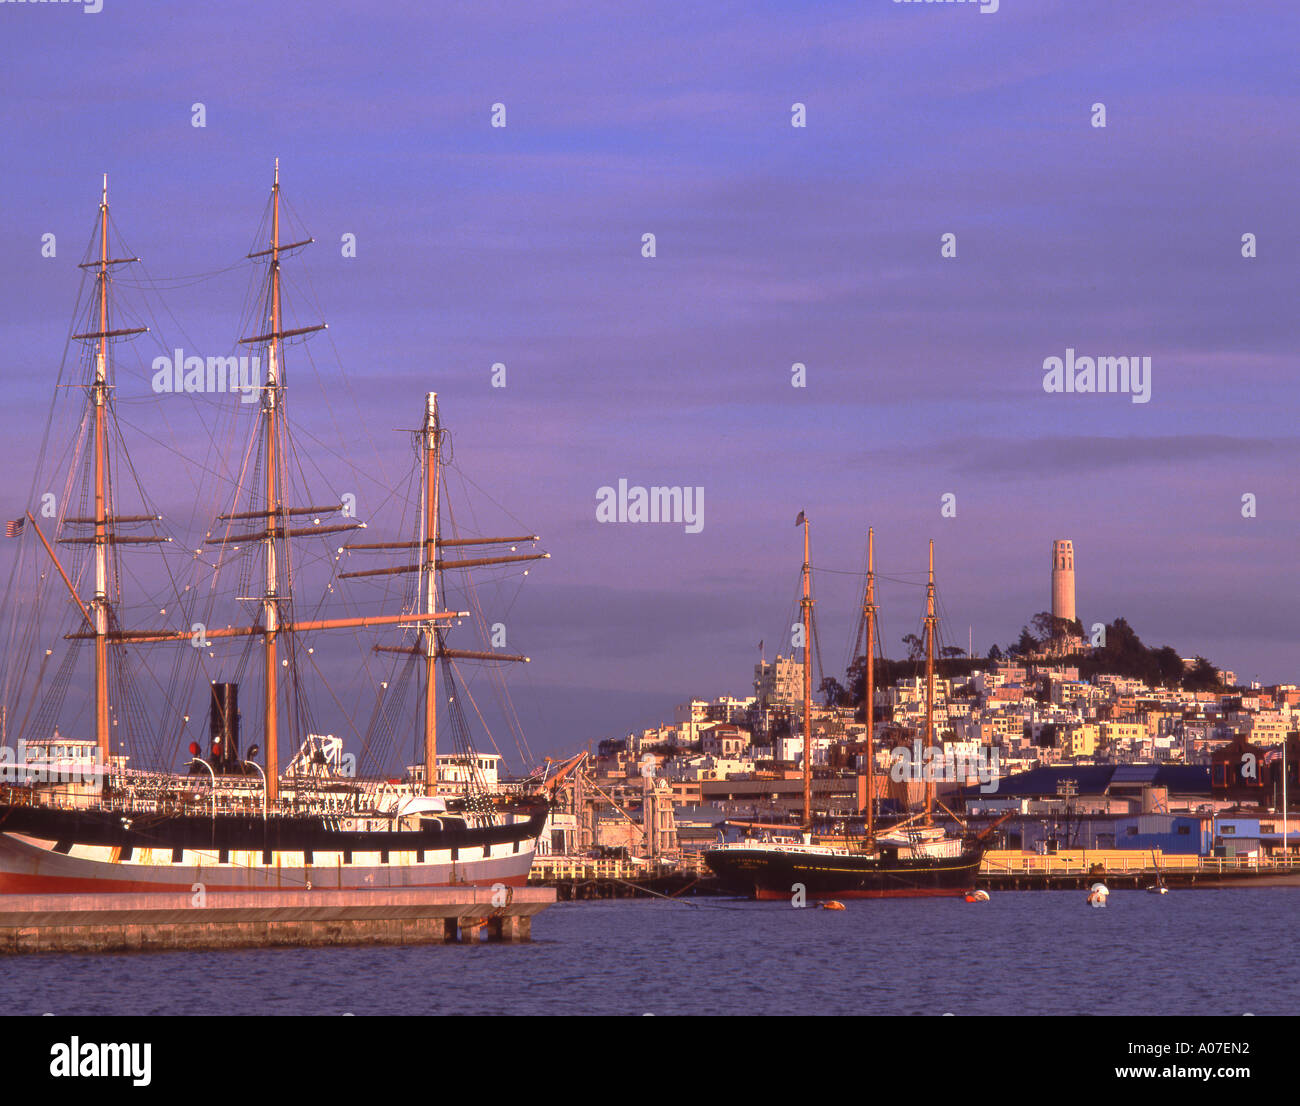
[1063,579]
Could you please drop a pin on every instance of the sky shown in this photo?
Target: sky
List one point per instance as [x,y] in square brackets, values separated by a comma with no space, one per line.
[775,245]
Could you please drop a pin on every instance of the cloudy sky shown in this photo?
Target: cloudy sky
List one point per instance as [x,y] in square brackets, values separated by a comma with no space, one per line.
[775,245]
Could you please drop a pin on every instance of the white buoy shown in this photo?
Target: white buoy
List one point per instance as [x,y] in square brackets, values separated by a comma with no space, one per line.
[1097,894]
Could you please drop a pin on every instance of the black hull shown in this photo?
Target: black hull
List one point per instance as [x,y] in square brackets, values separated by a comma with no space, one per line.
[242,832]
[768,873]
[51,850]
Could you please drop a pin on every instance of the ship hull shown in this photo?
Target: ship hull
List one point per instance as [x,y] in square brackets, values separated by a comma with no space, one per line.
[50,851]
[772,874]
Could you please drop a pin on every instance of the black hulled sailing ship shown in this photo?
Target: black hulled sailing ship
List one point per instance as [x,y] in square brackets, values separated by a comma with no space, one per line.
[228,821]
[910,859]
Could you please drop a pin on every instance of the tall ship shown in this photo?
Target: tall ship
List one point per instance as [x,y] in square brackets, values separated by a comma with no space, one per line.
[92,813]
[910,858]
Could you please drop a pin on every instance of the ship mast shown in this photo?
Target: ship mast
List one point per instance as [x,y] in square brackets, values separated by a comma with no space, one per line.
[431,477]
[806,605]
[869,616]
[270,602]
[99,397]
[274,513]
[931,622]
[429,563]
[101,539]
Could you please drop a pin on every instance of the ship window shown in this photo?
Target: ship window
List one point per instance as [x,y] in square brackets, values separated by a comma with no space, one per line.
[347,856]
[419,856]
[307,857]
[266,856]
[127,850]
[223,857]
[63,847]
[1225,830]
[383,856]
[455,853]
[487,850]
[516,846]
[178,855]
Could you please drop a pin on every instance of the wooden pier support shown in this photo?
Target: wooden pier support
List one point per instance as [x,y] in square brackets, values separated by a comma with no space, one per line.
[252,919]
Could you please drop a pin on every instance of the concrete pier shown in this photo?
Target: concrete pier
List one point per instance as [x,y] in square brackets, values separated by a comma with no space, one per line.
[255,919]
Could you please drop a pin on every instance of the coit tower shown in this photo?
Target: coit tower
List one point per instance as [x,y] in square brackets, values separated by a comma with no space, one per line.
[1063,579]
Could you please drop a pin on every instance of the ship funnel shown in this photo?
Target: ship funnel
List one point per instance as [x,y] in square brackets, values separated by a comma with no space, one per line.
[223,726]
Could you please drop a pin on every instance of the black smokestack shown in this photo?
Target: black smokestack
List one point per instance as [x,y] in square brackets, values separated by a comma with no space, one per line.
[223,726]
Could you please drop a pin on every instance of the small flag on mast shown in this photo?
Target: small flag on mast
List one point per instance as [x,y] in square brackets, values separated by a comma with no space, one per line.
[800,520]
[14,527]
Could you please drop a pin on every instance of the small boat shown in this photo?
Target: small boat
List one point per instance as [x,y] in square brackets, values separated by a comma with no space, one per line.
[1157,888]
[833,905]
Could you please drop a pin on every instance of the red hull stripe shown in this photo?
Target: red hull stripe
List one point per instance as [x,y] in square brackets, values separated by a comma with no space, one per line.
[901,893]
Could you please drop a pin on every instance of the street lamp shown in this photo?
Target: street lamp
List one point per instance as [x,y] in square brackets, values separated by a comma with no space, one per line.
[200,760]
[252,752]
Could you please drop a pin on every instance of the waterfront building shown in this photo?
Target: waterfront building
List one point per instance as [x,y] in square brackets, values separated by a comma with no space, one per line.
[778,683]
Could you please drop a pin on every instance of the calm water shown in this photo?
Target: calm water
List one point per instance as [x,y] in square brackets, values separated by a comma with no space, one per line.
[1046,952]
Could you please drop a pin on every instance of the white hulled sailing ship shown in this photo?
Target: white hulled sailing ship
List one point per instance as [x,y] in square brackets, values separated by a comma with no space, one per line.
[225,820]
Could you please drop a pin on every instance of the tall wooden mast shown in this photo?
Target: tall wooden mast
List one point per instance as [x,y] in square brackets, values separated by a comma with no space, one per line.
[431,480]
[869,697]
[99,397]
[270,599]
[274,513]
[429,563]
[806,605]
[101,538]
[931,622]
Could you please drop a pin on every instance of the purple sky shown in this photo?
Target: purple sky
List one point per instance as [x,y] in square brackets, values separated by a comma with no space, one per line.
[775,245]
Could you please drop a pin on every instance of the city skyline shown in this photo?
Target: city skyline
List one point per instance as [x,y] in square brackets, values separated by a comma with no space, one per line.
[776,246]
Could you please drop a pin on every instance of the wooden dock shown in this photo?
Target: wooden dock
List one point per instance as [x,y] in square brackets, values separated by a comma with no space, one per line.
[574,878]
[255,919]
[1128,868]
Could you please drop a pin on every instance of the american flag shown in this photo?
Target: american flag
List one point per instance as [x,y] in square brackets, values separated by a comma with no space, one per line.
[799,521]
[14,527]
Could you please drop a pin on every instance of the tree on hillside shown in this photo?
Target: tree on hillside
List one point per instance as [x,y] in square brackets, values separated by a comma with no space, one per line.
[1025,646]
[1170,665]
[834,693]
[1048,627]
[1202,677]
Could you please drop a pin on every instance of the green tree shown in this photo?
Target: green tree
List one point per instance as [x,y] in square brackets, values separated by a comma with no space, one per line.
[834,693]
[1202,677]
